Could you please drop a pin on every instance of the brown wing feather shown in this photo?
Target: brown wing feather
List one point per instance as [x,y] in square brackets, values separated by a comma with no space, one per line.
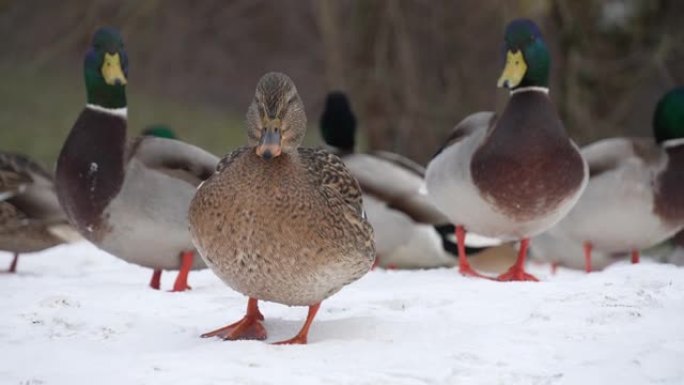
[15,173]
[401,161]
[333,175]
[230,157]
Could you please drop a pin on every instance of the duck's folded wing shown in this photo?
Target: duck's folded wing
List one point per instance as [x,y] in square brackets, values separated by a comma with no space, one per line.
[608,154]
[16,174]
[401,161]
[175,158]
[477,121]
[398,187]
[332,175]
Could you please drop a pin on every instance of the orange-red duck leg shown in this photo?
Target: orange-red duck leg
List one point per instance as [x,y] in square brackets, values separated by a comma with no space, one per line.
[635,256]
[181,283]
[301,337]
[517,271]
[463,265]
[156,279]
[248,328]
[587,256]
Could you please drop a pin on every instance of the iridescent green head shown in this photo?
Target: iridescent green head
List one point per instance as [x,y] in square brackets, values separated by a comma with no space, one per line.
[668,119]
[338,123]
[527,58]
[106,69]
[160,131]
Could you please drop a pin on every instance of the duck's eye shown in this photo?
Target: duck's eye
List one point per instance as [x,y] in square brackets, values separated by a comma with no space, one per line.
[276,130]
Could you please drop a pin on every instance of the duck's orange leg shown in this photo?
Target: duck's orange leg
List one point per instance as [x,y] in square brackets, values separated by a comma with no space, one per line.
[301,337]
[517,271]
[13,265]
[181,283]
[156,279]
[463,265]
[635,256]
[248,328]
[587,256]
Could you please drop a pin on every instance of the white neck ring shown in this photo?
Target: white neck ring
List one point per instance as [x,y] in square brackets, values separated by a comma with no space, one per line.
[673,143]
[119,112]
[530,89]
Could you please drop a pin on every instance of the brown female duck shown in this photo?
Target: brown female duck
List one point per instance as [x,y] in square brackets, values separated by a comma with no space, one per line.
[277,222]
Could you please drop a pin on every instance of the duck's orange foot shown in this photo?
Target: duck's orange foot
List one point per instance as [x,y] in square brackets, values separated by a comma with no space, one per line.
[180,287]
[301,337]
[248,328]
[516,274]
[296,340]
[468,271]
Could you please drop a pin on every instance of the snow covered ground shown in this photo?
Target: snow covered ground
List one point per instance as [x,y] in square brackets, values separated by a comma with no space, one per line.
[74,315]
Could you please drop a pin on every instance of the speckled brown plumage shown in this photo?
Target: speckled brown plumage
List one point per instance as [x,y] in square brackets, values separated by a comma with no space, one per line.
[31,218]
[21,234]
[287,230]
[15,173]
[290,228]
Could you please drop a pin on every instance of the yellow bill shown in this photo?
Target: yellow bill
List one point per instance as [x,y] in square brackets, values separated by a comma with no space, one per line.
[514,72]
[111,70]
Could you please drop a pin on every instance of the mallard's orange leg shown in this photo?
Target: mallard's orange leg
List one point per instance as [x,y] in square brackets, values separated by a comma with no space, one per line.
[517,271]
[13,265]
[635,256]
[463,264]
[248,328]
[156,279]
[181,283]
[301,337]
[587,256]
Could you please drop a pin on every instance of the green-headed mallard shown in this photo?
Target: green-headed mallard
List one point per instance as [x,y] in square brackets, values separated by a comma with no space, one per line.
[278,222]
[635,195]
[410,232]
[513,176]
[130,198]
[31,218]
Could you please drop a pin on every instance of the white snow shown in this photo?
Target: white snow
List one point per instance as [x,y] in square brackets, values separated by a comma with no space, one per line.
[74,315]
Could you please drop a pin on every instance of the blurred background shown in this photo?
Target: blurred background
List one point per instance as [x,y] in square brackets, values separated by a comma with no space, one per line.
[412,68]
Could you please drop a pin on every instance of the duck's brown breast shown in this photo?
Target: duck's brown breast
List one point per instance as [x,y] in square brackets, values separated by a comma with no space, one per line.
[269,232]
[669,194]
[527,166]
